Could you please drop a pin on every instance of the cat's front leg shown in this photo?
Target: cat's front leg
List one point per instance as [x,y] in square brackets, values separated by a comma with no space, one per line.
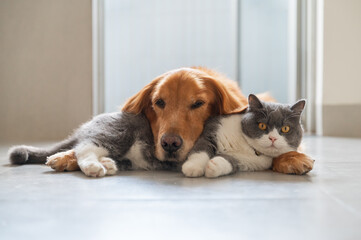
[198,158]
[93,160]
[195,164]
[220,165]
[293,163]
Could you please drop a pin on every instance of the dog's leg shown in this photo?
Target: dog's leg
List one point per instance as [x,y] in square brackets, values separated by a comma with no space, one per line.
[293,163]
[63,161]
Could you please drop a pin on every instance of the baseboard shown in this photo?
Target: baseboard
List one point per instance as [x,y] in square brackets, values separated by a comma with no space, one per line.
[342,120]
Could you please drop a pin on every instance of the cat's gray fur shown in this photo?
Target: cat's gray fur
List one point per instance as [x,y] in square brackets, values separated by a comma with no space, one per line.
[116,132]
[275,115]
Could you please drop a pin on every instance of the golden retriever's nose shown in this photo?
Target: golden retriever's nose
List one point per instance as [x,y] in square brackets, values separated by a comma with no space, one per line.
[171,143]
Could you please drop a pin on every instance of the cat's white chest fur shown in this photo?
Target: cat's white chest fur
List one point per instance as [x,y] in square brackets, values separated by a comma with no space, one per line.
[230,136]
[231,141]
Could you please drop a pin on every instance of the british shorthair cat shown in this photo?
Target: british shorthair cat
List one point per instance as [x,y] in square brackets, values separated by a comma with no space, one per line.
[247,141]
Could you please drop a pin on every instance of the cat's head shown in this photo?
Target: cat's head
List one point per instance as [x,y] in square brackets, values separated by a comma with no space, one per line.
[273,128]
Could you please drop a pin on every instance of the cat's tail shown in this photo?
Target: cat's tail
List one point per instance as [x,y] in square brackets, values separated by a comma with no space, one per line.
[28,154]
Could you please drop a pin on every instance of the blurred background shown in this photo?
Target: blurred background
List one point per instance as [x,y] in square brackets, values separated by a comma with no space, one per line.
[63,61]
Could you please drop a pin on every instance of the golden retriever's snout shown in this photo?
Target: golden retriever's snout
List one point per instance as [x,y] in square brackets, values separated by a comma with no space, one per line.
[171,143]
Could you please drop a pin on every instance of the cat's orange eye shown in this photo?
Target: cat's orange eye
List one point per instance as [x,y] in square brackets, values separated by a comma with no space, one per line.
[285,129]
[262,126]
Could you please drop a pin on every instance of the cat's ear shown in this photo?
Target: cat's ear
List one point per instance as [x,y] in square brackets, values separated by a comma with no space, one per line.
[254,102]
[299,106]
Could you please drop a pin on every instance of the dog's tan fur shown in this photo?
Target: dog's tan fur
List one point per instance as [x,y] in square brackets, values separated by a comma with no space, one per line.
[293,163]
[63,161]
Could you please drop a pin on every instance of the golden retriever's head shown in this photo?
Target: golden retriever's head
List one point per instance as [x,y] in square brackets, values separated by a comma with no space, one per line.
[178,103]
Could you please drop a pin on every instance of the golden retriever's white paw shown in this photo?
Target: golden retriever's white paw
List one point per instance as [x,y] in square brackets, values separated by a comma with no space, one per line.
[109,165]
[93,169]
[217,166]
[195,164]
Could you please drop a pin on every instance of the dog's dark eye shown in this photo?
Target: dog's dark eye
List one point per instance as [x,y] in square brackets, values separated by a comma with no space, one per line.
[160,103]
[197,104]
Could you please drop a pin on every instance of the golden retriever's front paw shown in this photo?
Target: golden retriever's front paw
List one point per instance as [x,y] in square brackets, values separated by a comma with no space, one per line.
[63,161]
[293,163]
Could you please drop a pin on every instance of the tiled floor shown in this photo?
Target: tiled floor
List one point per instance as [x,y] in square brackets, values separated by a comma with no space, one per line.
[37,203]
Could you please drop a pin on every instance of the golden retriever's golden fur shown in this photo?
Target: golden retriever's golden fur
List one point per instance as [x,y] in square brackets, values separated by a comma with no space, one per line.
[293,163]
[179,90]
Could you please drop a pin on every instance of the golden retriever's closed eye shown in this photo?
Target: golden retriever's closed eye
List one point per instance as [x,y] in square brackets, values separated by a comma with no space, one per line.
[178,103]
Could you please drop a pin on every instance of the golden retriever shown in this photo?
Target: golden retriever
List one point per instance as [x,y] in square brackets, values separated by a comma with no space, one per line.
[178,103]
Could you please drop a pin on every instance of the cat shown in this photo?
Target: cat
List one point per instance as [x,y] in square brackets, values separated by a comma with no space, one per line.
[247,141]
[103,145]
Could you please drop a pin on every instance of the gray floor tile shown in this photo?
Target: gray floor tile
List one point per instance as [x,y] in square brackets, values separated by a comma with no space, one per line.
[38,203]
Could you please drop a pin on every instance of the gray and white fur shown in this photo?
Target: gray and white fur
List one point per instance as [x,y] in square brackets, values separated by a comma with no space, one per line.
[102,145]
[237,143]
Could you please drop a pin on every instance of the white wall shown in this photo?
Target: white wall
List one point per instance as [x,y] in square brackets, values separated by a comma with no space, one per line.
[342,68]
[342,52]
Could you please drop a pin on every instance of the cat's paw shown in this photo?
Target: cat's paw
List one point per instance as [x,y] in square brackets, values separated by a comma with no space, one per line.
[217,166]
[109,165]
[191,169]
[293,163]
[93,168]
[195,165]
[63,161]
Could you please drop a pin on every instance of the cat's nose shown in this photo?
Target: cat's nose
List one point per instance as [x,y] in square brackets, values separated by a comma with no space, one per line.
[273,139]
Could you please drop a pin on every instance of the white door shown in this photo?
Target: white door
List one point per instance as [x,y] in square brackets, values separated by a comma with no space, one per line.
[145,38]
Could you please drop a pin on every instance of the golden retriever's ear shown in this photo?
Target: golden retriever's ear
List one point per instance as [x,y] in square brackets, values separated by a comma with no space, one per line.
[228,97]
[239,110]
[141,102]
[266,97]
